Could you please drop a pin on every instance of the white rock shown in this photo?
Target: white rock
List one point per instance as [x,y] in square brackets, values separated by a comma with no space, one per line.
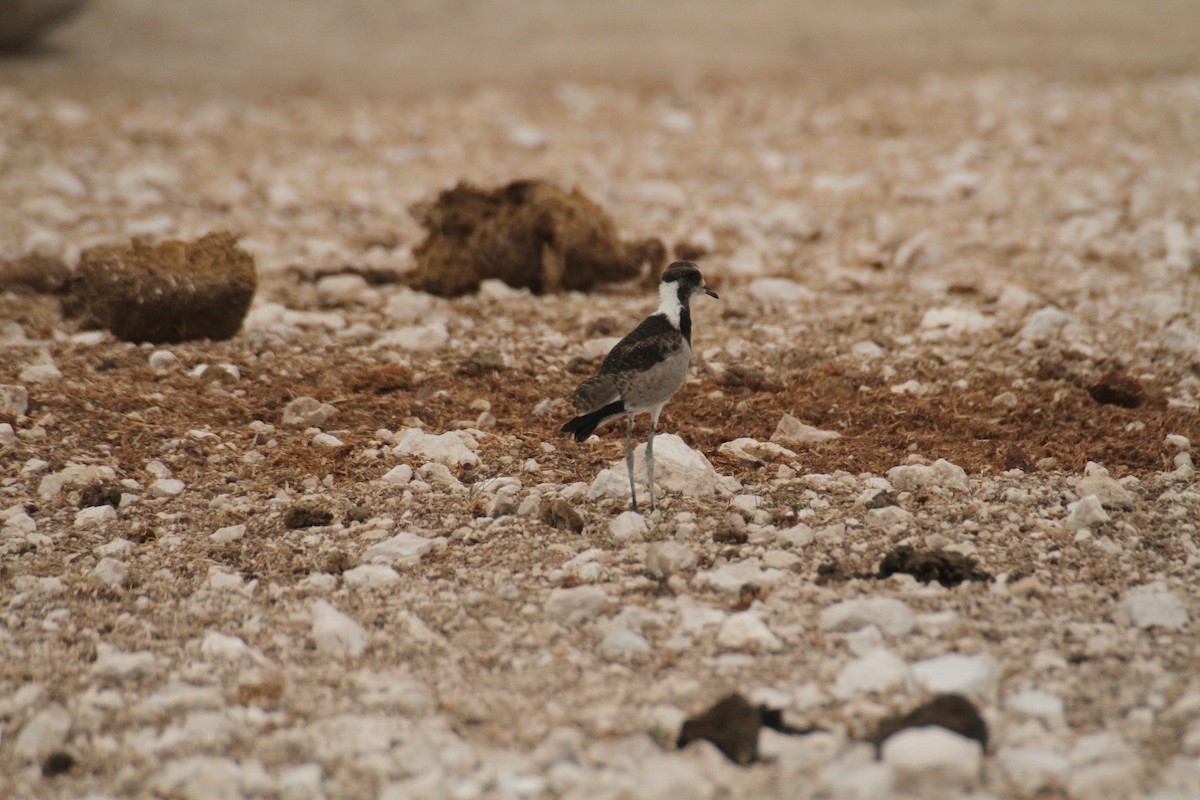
[341,290]
[668,558]
[855,774]
[1177,441]
[1103,765]
[621,642]
[40,373]
[211,778]
[111,572]
[307,412]
[746,631]
[792,431]
[752,451]
[933,762]
[327,440]
[1110,493]
[223,646]
[393,691]
[221,580]
[670,776]
[398,475]
[230,533]
[115,548]
[72,474]
[43,734]
[301,782]
[677,467]
[369,576]
[775,293]
[1034,769]
[1087,512]
[576,605]
[14,400]
[8,437]
[94,517]
[891,616]
[416,338]
[877,671]
[166,487]
[113,665]
[1044,324]
[730,578]
[941,474]
[440,475]
[163,359]
[1037,704]
[628,526]
[610,483]
[335,633]
[403,548]
[452,448]
[952,323]
[1152,605]
[958,673]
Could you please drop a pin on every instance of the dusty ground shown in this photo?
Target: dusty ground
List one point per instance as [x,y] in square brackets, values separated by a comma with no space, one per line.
[993,266]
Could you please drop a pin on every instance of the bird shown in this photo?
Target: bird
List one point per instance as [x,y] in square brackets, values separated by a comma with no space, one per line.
[643,370]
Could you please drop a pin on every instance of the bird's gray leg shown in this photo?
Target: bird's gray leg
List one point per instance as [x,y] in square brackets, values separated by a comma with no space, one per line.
[629,461]
[650,453]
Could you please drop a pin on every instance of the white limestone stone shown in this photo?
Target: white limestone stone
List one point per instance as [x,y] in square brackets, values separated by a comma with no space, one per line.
[892,617]
[335,633]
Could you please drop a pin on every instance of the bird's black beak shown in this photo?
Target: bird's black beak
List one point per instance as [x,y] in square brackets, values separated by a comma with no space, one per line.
[708,290]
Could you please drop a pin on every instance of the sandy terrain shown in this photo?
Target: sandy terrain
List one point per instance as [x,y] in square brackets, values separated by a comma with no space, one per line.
[965,239]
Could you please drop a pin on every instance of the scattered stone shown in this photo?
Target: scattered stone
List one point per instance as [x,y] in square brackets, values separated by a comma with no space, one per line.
[528,234]
[163,360]
[957,673]
[113,665]
[307,412]
[1035,770]
[730,579]
[791,431]
[576,605]
[398,475]
[941,474]
[561,514]
[1152,605]
[892,617]
[933,762]
[14,400]
[950,711]
[1109,492]
[307,514]
[403,548]
[1039,705]
[1044,324]
[111,572]
[45,733]
[753,451]
[1087,512]
[369,576]
[171,292]
[946,567]
[223,646]
[746,631]
[166,487]
[453,448]
[668,558]
[877,671]
[94,517]
[327,440]
[335,633]
[677,467]
[628,526]
[230,533]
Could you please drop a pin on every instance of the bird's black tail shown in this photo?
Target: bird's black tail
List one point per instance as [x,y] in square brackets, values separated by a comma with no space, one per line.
[585,424]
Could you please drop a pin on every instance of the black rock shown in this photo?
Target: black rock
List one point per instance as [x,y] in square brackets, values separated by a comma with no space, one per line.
[950,711]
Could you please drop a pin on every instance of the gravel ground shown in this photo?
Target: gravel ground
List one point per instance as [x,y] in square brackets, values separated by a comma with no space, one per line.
[986,285]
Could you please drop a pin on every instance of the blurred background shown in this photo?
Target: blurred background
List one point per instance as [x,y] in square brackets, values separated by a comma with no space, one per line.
[413,47]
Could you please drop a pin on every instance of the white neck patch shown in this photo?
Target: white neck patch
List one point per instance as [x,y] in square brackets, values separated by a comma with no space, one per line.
[668,302]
